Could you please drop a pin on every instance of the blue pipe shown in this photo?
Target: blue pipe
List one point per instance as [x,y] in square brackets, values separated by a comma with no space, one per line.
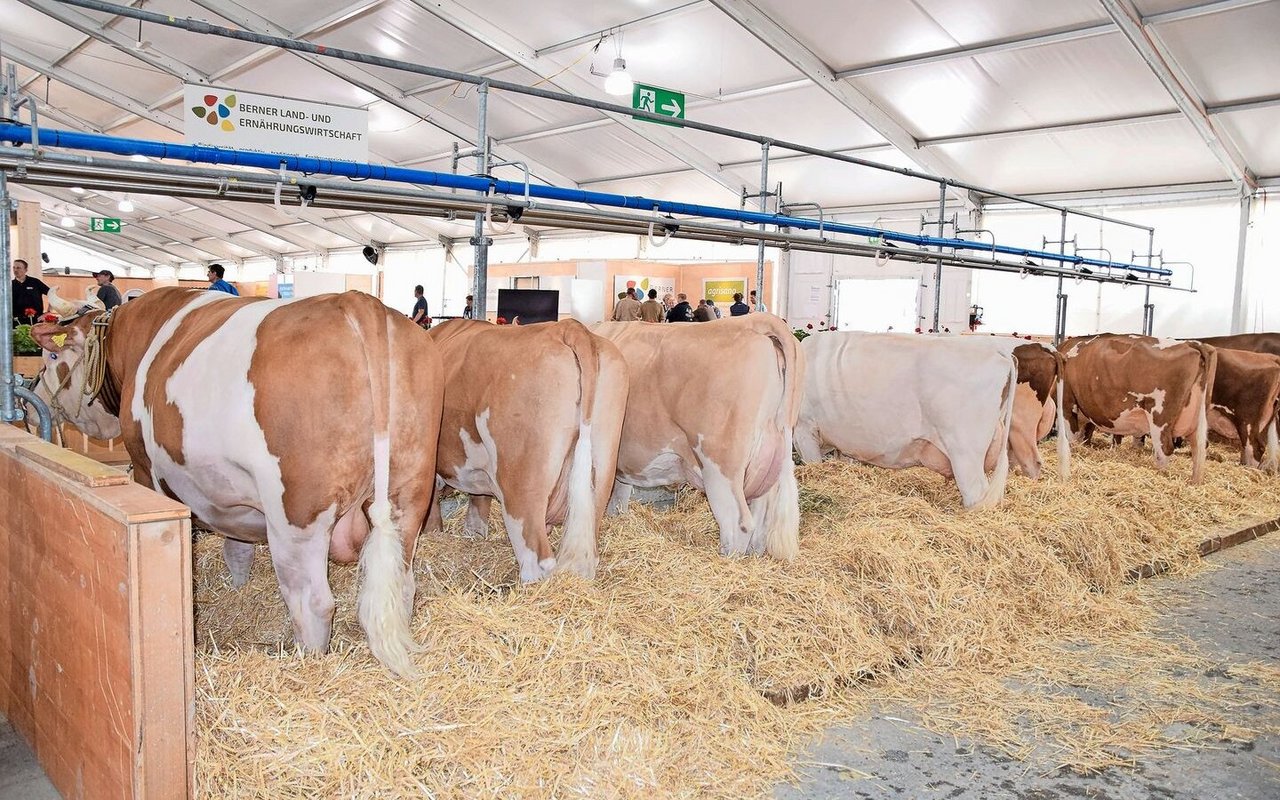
[200,154]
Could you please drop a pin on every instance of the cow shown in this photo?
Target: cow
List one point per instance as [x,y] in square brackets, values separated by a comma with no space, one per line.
[532,416]
[900,400]
[715,405]
[1245,409]
[1131,385]
[1036,403]
[291,422]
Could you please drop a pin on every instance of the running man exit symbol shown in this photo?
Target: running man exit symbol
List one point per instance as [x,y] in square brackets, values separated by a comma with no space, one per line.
[657,100]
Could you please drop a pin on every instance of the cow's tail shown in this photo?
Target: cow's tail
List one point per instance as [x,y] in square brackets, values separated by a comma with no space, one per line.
[1200,443]
[1000,475]
[1271,461]
[577,552]
[1064,441]
[385,600]
[779,507]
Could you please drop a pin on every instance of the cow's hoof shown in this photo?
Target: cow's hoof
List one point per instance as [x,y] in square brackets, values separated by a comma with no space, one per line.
[532,573]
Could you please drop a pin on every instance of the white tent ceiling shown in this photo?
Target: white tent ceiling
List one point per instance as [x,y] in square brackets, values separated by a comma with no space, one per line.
[1028,96]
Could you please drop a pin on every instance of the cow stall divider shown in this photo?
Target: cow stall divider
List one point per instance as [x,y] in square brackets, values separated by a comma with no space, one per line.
[96,646]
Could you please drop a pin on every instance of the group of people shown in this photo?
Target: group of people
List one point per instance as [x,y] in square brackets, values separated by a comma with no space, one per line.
[675,308]
[29,292]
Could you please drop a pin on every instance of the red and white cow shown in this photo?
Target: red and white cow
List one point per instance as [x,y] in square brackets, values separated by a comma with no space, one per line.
[1131,385]
[532,416]
[899,400]
[714,405]
[291,422]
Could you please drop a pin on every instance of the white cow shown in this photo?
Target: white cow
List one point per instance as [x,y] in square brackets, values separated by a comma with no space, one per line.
[902,400]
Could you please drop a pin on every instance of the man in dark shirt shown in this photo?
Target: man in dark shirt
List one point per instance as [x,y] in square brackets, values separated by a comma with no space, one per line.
[420,315]
[107,291]
[28,294]
[681,311]
[739,308]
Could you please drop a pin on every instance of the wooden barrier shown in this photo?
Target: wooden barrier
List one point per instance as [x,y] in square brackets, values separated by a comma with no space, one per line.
[96,645]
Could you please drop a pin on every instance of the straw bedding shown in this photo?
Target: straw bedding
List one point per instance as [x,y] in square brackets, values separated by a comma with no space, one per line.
[679,673]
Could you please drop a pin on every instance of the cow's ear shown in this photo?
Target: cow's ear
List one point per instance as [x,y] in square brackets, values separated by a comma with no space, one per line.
[55,338]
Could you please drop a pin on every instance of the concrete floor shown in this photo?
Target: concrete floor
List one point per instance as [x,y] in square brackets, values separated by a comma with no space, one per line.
[20,776]
[1232,613]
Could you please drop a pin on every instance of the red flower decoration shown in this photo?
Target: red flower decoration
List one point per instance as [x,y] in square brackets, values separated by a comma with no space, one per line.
[919,331]
[50,318]
[502,320]
[28,312]
[809,326]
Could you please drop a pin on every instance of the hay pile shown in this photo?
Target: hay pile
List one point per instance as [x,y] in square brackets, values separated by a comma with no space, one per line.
[675,673]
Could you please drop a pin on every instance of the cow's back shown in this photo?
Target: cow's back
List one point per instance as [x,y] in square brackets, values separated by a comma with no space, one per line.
[1268,343]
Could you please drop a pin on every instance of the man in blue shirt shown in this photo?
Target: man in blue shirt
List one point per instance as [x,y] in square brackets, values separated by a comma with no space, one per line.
[216,283]
[420,315]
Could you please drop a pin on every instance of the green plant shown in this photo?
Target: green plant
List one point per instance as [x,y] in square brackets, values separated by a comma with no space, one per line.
[808,330]
[23,344]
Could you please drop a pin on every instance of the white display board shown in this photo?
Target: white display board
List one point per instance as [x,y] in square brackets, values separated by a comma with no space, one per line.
[268,124]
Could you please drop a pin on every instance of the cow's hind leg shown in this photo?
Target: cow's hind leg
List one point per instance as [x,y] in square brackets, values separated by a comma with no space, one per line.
[729,507]
[301,561]
[527,528]
[1161,445]
[239,558]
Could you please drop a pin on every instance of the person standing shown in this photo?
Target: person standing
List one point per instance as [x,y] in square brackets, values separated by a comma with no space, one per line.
[469,310]
[681,311]
[756,305]
[216,283]
[627,309]
[715,309]
[420,316]
[107,291]
[651,310]
[28,294]
[739,308]
[704,312]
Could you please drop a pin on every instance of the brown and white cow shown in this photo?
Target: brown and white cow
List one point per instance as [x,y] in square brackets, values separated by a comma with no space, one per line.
[897,400]
[532,416]
[1131,385]
[1245,391]
[714,405]
[1036,403]
[291,422]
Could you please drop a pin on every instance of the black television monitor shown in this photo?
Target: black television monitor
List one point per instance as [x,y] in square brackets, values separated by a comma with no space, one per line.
[529,305]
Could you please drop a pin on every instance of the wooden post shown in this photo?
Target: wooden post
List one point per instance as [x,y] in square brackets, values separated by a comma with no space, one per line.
[26,236]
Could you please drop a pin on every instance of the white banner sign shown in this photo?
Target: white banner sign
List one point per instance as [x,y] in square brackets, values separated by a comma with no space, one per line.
[644,283]
[267,124]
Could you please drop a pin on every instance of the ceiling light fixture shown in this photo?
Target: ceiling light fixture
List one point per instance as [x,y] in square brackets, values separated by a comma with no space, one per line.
[619,82]
[67,221]
[125,205]
[77,190]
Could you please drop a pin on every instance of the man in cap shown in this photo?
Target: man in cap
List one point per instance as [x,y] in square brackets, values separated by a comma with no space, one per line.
[107,291]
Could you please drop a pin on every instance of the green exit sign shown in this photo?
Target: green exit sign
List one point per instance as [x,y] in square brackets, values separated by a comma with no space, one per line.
[657,100]
[104,224]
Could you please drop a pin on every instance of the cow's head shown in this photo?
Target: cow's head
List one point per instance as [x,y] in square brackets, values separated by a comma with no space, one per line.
[72,354]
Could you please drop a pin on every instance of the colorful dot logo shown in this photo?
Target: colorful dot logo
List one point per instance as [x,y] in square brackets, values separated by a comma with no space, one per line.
[215,112]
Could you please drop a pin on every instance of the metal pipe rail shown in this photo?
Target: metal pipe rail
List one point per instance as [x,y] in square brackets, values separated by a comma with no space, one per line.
[201,26]
[486,187]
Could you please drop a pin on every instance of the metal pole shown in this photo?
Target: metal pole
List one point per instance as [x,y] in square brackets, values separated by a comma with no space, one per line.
[480,267]
[1148,310]
[200,26]
[9,412]
[1060,325]
[764,208]
[1237,302]
[937,273]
